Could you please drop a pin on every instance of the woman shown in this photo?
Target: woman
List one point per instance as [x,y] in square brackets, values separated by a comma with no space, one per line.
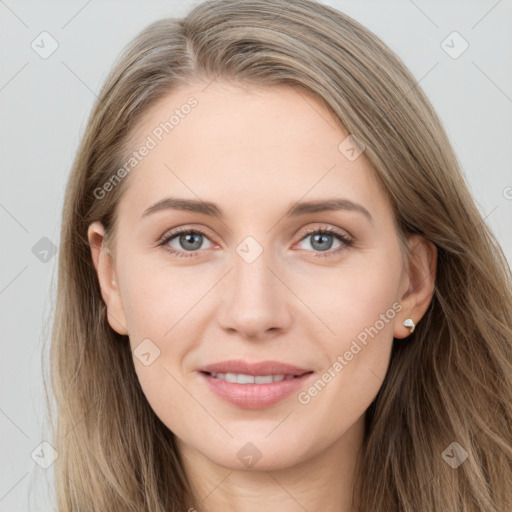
[275,288]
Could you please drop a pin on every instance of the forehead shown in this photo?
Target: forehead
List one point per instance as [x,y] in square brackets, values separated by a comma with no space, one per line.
[249,149]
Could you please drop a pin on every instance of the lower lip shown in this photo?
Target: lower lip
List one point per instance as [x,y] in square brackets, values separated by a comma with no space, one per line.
[255,396]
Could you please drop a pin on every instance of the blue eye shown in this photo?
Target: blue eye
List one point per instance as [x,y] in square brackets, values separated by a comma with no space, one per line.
[321,239]
[190,241]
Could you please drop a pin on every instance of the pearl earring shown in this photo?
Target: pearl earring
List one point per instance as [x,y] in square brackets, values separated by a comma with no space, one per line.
[409,323]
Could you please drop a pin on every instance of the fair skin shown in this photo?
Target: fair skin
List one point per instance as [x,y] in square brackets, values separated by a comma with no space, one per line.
[254,153]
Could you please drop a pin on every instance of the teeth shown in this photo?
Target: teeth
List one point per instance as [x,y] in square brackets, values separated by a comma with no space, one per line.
[266,379]
[242,378]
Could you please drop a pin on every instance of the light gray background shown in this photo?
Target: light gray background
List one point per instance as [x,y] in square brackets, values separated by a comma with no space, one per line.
[44,104]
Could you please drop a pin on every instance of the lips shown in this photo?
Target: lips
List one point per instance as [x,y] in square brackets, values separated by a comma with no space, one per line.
[260,368]
[254,385]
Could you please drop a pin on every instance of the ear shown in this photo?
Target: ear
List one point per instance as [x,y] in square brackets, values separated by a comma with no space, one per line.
[104,264]
[418,283]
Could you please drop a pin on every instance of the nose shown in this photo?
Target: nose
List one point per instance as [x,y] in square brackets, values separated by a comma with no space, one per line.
[255,301]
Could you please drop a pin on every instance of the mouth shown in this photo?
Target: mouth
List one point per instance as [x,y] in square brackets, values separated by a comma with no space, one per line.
[254,385]
[256,369]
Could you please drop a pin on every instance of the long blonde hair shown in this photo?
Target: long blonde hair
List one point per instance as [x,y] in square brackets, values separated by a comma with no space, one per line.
[451,381]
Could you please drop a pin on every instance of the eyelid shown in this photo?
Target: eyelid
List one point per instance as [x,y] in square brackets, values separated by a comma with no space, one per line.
[171,233]
[326,228]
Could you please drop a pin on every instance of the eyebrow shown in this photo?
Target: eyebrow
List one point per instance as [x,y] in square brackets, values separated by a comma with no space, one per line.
[295,210]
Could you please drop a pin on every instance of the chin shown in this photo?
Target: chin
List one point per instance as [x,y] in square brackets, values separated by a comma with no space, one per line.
[255,453]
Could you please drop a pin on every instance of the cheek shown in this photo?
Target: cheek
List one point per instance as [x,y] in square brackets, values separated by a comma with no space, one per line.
[354,296]
[161,308]
[156,298]
[359,306]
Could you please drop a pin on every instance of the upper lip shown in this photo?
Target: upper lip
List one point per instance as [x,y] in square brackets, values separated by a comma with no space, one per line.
[257,368]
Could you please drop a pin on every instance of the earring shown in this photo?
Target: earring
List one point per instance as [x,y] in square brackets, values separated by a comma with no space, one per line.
[409,323]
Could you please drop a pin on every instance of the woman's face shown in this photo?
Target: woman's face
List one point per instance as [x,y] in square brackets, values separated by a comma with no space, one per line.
[258,173]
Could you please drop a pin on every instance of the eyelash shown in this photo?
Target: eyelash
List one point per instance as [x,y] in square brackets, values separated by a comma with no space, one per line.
[167,237]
